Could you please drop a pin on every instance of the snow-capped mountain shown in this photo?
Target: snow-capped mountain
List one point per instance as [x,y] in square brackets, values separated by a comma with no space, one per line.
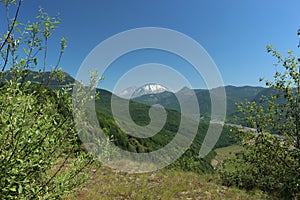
[150,88]
[126,94]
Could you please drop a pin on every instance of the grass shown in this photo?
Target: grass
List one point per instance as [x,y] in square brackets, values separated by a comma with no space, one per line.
[225,153]
[106,183]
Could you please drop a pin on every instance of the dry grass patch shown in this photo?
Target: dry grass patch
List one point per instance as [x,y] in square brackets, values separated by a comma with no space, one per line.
[106,184]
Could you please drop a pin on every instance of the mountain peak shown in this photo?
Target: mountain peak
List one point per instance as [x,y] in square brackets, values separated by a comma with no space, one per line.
[150,88]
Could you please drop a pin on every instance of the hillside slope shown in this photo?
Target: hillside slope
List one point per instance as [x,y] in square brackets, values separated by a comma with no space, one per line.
[233,95]
[106,184]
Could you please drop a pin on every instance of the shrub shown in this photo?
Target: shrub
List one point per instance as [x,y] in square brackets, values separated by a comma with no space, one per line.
[271,160]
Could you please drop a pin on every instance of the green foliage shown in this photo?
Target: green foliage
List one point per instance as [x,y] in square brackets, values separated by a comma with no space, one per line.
[233,95]
[271,160]
[40,157]
[189,161]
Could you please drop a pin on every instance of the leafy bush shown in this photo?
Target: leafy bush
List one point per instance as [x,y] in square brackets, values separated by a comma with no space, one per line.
[40,156]
[271,162]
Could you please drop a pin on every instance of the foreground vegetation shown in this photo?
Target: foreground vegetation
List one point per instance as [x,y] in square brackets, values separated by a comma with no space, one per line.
[165,184]
[225,153]
[270,160]
[40,156]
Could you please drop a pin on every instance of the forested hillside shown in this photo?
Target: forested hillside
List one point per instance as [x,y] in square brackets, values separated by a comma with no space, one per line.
[233,95]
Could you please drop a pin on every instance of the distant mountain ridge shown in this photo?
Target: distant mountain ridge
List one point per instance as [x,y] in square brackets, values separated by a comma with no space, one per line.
[233,95]
[38,77]
[152,93]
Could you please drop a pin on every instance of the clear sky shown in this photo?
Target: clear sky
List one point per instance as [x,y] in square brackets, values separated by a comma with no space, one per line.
[234,32]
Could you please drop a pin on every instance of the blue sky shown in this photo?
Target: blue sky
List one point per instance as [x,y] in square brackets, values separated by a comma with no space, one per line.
[233,32]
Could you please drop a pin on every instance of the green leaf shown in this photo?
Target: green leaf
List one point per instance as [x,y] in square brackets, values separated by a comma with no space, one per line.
[22,62]
[16,23]
[29,28]
[13,189]
[25,51]
[20,189]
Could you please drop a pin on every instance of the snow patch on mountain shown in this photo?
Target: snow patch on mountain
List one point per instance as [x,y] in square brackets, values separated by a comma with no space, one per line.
[133,92]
